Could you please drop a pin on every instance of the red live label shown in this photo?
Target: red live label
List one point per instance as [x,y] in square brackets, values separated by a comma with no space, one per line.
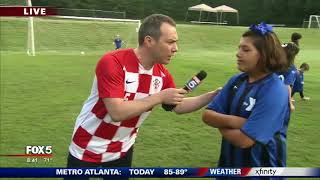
[27,11]
[34,11]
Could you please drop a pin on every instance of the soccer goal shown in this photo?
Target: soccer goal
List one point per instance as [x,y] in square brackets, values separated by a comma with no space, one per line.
[73,31]
[74,34]
[314,21]
[12,29]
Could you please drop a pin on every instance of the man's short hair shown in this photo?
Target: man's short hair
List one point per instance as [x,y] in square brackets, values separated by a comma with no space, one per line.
[151,26]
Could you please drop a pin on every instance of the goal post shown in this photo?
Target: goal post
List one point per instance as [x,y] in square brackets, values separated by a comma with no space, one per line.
[72,31]
[314,21]
[31,51]
[27,26]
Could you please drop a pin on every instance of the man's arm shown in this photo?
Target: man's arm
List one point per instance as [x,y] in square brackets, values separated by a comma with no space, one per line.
[237,138]
[194,103]
[219,120]
[120,110]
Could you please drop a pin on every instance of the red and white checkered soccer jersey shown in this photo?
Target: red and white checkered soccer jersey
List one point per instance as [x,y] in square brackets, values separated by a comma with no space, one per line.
[96,138]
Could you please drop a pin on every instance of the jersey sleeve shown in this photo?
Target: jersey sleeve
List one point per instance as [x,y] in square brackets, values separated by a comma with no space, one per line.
[219,102]
[110,78]
[290,76]
[268,115]
[168,81]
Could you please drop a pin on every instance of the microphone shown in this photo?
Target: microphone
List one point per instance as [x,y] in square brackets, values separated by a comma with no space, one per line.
[189,86]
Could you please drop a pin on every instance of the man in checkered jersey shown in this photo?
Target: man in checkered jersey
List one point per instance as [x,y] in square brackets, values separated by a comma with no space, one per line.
[127,85]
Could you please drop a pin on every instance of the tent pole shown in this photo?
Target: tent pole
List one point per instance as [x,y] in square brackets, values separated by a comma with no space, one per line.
[217,16]
[200,16]
[185,18]
[238,18]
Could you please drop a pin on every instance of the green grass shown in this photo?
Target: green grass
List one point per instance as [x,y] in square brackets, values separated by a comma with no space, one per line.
[41,96]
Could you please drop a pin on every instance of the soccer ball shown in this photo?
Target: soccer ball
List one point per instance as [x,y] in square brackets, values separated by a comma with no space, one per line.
[82,53]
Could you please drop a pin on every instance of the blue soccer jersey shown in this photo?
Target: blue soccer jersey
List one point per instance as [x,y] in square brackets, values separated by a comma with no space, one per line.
[265,105]
[298,84]
[118,43]
[289,77]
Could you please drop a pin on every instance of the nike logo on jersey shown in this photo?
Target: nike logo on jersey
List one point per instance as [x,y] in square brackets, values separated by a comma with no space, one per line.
[129,82]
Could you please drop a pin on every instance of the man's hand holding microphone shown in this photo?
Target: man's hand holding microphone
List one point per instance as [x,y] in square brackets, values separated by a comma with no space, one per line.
[188,87]
[172,96]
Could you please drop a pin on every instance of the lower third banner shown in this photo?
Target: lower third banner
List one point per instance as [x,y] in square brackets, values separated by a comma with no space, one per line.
[157,172]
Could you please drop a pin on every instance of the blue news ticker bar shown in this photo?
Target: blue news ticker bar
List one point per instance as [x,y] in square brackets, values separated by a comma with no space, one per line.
[157,172]
[107,172]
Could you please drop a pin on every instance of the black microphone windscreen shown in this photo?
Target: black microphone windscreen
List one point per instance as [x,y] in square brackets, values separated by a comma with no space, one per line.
[201,75]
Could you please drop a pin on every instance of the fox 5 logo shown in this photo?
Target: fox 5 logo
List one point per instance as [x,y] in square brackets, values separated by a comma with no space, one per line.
[38,149]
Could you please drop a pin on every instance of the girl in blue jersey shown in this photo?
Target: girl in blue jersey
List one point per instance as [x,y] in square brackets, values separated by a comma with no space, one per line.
[289,76]
[252,110]
[118,42]
[295,38]
[298,84]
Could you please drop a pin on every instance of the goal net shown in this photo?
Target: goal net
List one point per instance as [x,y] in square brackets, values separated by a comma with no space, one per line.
[73,34]
[73,31]
[13,2]
[314,21]
[14,31]
[91,13]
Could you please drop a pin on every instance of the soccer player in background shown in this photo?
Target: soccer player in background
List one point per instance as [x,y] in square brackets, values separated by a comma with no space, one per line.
[299,83]
[252,110]
[128,83]
[289,76]
[118,42]
[295,38]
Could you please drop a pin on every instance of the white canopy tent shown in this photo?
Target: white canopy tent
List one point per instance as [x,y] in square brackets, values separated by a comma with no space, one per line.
[201,8]
[225,9]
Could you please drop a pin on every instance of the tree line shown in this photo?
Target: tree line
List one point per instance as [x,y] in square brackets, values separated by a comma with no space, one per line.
[288,12]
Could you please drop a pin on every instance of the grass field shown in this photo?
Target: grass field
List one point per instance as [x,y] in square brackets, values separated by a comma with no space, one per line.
[41,96]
